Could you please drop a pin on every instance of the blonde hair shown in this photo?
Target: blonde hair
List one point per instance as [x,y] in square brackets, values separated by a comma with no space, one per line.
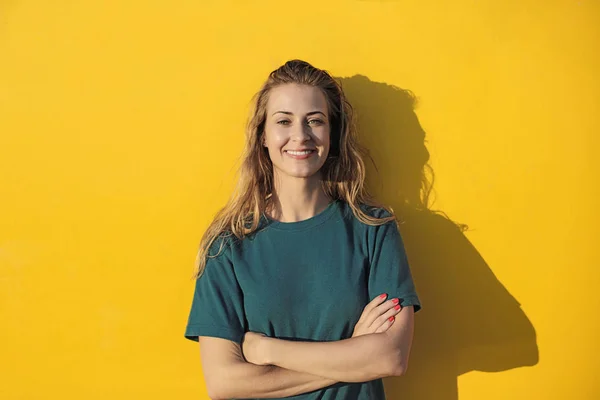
[343,174]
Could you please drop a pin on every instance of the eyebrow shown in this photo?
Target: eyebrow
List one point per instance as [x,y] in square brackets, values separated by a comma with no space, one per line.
[291,113]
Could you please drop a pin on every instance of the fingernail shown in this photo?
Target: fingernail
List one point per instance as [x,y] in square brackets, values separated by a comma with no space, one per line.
[397,307]
[391,319]
[381,296]
[395,301]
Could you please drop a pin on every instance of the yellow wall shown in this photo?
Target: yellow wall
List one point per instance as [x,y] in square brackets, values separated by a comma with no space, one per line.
[120,124]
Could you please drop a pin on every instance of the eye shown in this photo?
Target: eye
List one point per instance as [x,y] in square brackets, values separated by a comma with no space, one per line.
[283,122]
[318,121]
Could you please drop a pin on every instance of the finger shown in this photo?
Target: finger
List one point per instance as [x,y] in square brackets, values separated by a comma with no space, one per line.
[376,301]
[382,309]
[381,320]
[386,325]
[379,311]
[372,304]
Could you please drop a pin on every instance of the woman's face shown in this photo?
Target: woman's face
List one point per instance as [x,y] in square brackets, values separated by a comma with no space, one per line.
[297,130]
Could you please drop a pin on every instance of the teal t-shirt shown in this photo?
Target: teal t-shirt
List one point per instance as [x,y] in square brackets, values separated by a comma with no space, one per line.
[308,280]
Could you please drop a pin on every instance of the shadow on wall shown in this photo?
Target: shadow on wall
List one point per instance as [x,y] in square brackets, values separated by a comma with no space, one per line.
[469,321]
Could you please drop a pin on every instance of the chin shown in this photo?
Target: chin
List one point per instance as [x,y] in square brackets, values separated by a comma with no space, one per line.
[301,174]
[305,176]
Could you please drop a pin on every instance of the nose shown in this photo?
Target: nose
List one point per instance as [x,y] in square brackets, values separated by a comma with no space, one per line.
[301,133]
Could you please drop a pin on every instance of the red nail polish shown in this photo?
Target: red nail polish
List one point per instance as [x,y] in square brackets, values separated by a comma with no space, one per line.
[391,319]
[395,301]
[397,307]
[382,295]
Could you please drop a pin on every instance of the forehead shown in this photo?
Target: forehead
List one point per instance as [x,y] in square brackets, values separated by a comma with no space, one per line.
[297,99]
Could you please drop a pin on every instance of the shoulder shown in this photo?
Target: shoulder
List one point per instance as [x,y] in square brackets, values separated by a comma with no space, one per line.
[383,226]
[370,222]
[375,211]
[222,245]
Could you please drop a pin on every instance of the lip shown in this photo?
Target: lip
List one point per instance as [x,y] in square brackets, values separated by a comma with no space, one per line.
[301,157]
[300,149]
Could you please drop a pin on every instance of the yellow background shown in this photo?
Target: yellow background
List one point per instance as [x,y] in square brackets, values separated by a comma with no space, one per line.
[121,123]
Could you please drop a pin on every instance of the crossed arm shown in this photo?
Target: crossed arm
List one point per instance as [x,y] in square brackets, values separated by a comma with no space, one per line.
[228,375]
[268,367]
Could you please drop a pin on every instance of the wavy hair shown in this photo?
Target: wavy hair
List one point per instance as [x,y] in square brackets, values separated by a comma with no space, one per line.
[343,173]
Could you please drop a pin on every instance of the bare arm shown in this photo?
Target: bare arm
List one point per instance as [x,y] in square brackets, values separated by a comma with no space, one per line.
[228,375]
[357,359]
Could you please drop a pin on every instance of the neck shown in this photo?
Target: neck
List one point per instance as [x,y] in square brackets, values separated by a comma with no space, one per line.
[297,199]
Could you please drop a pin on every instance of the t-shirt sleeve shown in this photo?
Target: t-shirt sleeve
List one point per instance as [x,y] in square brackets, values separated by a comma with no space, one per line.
[217,308]
[390,271]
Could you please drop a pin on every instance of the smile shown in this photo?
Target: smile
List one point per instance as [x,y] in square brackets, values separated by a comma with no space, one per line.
[300,155]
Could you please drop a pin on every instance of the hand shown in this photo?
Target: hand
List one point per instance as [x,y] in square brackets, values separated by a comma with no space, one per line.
[377,316]
[253,348]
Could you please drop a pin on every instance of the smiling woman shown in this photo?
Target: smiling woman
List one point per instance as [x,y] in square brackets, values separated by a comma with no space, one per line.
[302,285]
[297,131]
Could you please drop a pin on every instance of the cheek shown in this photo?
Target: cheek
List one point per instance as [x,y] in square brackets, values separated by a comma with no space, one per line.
[324,137]
[275,140]
[275,134]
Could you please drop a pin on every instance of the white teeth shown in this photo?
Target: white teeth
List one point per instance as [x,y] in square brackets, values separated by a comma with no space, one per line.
[300,153]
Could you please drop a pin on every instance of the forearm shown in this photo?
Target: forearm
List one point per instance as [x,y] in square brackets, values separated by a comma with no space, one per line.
[245,380]
[358,359]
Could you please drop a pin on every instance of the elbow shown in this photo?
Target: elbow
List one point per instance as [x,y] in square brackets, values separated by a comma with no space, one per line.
[214,392]
[217,390]
[398,369]
[221,387]
[396,365]
[217,395]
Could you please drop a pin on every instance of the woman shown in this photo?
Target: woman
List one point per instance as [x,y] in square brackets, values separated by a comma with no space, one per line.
[303,283]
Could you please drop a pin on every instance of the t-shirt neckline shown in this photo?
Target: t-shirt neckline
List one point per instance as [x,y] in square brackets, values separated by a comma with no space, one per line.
[306,223]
